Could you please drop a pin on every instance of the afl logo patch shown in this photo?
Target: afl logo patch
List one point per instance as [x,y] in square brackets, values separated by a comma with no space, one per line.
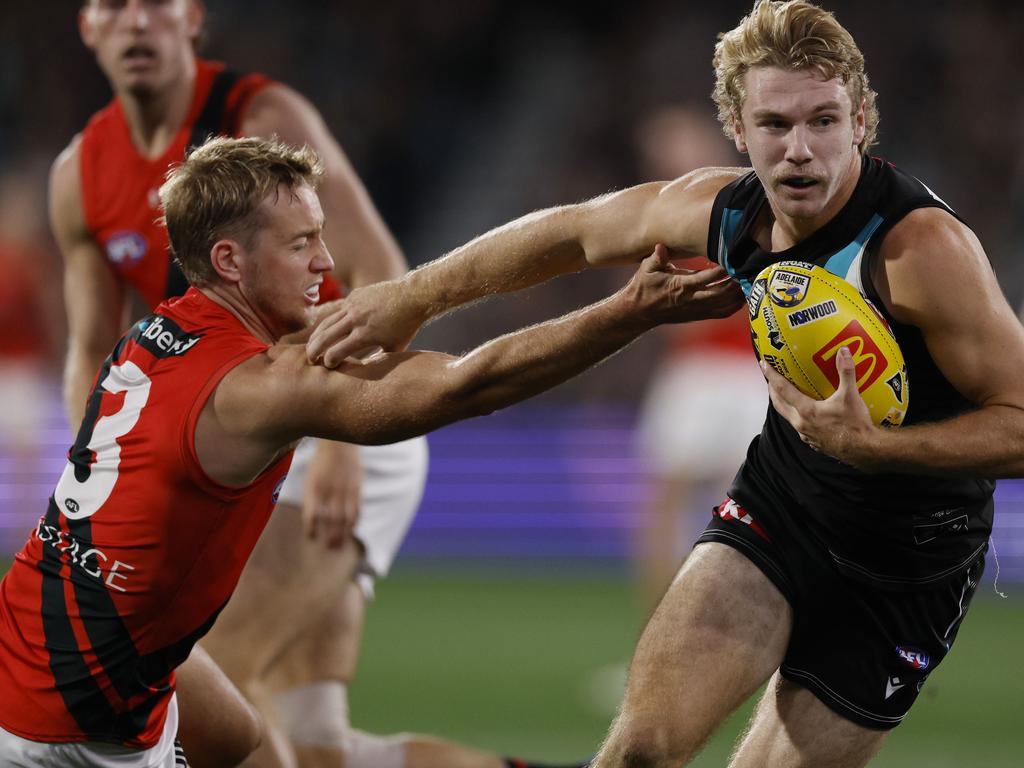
[913,657]
[126,247]
[277,489]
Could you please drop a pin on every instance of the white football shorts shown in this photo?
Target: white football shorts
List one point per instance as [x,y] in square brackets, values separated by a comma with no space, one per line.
[16,752]
[394,477]
[700,413]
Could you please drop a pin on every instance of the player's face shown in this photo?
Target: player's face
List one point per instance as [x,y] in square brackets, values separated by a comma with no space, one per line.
[801,133]
[141,45]
[280,274]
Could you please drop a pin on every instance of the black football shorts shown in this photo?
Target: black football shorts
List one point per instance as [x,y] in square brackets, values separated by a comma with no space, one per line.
[865,652]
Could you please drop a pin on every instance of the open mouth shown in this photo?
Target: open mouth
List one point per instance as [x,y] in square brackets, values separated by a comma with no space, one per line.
[139,54]
[799,182]
[313,294]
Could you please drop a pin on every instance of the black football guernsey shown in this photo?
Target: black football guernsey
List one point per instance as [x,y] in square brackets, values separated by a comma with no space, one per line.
[896,530]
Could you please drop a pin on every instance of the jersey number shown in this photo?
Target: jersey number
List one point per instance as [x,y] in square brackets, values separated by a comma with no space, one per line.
[78,499]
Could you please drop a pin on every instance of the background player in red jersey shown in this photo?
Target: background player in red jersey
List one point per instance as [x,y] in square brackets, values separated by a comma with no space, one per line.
[291,647]
[188,434]
[870,548]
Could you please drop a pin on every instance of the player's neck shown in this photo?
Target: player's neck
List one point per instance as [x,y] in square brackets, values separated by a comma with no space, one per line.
[231,299]
[154,118]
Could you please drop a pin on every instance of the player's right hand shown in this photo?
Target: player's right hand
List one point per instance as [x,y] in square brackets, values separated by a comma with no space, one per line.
[663,293]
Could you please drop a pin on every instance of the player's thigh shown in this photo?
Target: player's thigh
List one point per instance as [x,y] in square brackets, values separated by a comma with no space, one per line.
[329,650]
[217,727]
[718,634]
[791,727]
[280,597]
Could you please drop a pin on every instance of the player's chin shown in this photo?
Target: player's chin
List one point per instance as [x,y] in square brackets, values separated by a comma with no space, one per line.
[807,208]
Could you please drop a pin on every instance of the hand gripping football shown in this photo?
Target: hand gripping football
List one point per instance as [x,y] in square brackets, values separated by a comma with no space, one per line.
[801,315]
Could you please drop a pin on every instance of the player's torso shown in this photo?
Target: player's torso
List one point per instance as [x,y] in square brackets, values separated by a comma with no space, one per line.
[138,550]
[847,505]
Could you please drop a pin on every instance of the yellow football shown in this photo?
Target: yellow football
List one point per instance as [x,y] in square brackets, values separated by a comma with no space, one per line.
[801,315]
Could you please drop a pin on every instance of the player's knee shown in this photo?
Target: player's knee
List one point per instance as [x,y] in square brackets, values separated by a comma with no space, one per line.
[242,739]
[650,745]
[316,715]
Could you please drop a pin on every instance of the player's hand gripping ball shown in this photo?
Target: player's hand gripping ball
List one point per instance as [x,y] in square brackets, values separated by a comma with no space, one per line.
[801,315]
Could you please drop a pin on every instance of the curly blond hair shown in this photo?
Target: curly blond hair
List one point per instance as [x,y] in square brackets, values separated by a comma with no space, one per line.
[217,192]
[794,35]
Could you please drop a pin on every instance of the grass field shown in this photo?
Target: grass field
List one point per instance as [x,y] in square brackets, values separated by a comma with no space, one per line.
[530,664]
[527,666]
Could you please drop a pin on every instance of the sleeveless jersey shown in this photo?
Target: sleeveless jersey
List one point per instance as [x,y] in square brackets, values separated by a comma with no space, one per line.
[119,186]
[138,550]
[916,528]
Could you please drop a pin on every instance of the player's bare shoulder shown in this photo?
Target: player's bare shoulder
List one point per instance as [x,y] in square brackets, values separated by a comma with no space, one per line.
[279,110]
[683,207]
[928,248]
[702,184]
[65,206]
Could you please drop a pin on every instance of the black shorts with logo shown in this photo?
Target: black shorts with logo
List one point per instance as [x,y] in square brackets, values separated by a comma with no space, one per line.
[864,651]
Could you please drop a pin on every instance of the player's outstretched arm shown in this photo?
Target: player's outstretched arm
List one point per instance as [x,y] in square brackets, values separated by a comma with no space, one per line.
[271,400]
[933,274]
[363,247]
[610,230]
[93,297]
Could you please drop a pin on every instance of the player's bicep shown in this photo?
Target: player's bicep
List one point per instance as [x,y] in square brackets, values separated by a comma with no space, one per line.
[625,226]
[936,277]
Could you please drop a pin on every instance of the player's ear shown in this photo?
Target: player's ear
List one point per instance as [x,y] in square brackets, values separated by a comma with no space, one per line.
[737,134]
[85,28]
[226,257]
[195,15]
[859,126]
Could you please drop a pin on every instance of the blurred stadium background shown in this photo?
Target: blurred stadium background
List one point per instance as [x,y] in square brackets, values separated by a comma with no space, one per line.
[511,613]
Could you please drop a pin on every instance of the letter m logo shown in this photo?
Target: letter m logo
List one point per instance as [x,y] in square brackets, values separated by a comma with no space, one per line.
[867,357]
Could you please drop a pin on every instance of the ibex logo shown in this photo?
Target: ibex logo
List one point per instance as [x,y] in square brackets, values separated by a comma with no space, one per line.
[867,357]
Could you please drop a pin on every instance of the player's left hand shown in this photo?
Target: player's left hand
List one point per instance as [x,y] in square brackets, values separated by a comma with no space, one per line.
[373,317]
[839,426]
[330,504]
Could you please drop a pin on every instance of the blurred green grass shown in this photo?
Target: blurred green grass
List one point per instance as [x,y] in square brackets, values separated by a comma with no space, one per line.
[529,663]
[526,665]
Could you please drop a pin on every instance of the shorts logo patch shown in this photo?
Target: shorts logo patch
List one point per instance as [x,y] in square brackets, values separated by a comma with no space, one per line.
[913,657]
[892,685]
[730,510]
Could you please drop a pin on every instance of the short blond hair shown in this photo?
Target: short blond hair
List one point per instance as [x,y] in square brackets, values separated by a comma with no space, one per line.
[216,193]
[794,35]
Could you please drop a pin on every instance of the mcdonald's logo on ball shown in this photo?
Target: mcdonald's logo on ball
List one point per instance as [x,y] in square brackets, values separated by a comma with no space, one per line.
[800,339]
